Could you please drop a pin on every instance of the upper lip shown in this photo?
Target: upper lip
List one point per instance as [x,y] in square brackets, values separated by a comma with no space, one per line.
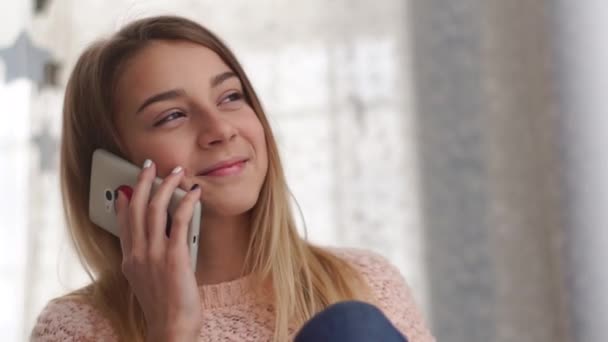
[222,164]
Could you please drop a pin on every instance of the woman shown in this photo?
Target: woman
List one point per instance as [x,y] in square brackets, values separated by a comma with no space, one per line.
[167,94]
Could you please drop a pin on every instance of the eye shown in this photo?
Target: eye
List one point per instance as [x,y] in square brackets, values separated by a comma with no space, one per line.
[170,117]
[232,97]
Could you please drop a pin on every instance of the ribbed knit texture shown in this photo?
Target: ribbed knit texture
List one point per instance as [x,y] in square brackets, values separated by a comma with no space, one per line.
[231,312]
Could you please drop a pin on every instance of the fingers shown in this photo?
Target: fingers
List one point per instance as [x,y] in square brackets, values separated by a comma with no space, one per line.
[157,210]
[182,217]
[122,215]
[138,206]
[142,220]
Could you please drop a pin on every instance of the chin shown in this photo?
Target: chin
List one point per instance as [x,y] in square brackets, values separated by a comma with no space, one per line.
[231,207]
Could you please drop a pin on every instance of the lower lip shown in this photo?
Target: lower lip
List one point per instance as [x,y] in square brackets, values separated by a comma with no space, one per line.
[227,171]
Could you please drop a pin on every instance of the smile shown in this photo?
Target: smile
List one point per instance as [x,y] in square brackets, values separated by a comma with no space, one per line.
[226,168]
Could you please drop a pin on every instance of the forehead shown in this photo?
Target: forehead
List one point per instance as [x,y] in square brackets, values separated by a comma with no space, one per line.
[163,65]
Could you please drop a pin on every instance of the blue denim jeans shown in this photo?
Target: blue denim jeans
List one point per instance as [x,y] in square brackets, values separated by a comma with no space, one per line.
[350,321]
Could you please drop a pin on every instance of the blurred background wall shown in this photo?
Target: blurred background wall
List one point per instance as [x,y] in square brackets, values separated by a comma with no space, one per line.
[461,139]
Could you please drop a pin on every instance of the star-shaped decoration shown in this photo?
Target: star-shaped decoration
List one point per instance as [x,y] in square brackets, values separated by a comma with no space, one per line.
[25,60]
[47,148]
[40,5]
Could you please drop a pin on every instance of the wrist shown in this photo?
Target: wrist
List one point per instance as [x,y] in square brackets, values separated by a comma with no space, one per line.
[173,333]
[171,337]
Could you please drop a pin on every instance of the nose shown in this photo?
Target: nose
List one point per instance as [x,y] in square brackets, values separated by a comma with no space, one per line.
[215,130]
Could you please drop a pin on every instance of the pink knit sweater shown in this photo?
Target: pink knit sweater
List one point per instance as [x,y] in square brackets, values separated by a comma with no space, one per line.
[232,313]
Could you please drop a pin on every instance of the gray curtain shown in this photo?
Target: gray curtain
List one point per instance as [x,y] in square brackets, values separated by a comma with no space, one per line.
[490,162]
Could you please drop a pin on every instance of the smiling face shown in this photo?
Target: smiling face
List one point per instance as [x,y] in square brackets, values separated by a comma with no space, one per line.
[178,104]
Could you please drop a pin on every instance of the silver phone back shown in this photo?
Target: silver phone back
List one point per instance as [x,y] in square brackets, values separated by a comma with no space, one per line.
[108,172]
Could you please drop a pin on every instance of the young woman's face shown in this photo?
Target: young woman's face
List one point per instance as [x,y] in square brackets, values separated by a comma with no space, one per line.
[179,104]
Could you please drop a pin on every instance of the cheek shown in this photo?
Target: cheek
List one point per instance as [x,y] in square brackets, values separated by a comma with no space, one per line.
[259,139]
[163,153]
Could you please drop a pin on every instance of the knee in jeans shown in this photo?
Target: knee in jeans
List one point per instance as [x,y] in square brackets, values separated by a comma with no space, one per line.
[368,322]
[350,321]
[354,306]
[354,312]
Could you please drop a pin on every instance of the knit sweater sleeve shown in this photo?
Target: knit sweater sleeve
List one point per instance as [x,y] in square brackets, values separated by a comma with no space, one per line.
[67,320]
[391,292]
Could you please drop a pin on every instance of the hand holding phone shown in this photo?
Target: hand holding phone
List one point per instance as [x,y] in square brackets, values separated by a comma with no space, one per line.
[156,264]
[109,173]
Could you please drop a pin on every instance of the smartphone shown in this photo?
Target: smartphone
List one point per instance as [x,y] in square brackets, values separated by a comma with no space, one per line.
[108,172]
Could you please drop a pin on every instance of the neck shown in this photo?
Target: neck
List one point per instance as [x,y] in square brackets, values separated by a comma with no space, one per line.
[223,243]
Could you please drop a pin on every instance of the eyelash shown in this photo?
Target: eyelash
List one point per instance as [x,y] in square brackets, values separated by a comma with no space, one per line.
[235,96]
[166,118]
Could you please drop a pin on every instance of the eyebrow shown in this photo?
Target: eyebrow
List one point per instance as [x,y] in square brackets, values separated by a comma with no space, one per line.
[175,93]
[219,79]
[167,95]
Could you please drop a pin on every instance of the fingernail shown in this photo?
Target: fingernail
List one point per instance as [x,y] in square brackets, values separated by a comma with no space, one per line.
[147,163]
[194,187]
[126,190]
[177,170]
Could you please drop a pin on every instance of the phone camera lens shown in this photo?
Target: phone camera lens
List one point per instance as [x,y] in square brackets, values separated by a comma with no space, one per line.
[109,195]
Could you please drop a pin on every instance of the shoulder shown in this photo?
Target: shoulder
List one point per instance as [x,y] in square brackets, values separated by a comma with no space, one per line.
[390,291]
[71,318]
[374,267]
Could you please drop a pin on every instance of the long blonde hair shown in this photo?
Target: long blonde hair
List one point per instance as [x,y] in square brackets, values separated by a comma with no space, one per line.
[304,278]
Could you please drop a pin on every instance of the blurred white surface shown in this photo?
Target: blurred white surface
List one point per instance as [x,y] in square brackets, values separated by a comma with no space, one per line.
[330,77]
